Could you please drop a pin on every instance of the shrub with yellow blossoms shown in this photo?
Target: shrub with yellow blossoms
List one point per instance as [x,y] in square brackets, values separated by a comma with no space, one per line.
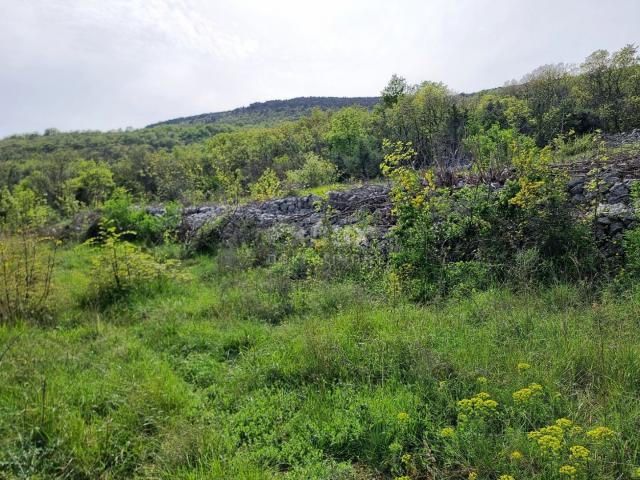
[479,405]
[559,441]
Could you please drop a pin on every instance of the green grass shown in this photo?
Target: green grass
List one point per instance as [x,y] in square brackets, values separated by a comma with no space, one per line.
[218,377]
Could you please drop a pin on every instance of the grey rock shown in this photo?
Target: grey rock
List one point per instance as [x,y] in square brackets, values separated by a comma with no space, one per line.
[615,228]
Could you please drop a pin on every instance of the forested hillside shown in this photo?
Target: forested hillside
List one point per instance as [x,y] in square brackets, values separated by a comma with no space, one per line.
[274,111]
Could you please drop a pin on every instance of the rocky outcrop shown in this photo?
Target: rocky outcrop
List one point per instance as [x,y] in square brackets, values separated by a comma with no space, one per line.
[608,199]
[308,215]
[609,202]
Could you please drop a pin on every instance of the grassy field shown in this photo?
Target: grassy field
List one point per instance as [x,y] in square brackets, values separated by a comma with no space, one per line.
[233,374]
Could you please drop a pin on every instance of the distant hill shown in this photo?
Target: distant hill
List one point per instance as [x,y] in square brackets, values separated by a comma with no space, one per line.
[272,111]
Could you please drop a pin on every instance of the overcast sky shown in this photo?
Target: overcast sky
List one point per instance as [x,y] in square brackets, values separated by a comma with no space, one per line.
[104,64]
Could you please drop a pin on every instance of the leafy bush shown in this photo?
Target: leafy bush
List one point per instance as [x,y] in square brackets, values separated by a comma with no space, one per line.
[26,268]
[493,150]
[121,268]
[314,172]
[267,187]
[121,212]
[23,208]
[472,237]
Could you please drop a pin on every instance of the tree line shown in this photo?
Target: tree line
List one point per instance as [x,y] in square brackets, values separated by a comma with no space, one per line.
[64,172]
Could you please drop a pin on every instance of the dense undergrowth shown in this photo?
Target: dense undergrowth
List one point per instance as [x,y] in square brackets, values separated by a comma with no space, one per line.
[257,373]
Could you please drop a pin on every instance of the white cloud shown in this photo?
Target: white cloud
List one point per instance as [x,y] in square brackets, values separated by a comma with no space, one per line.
[77,64]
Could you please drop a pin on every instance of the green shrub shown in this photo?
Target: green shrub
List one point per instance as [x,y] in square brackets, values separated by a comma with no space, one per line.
[121,268]
[22,209]
[121,212]
[314,172]
[474,237]
[27,264]
[268,186]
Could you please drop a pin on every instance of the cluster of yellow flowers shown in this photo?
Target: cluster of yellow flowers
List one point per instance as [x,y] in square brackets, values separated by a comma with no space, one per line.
[528,194]
[395,447]
[568,470]
[553,438]
[635,473]
[473,476]
[516,456]
[579,454]
[525,394]
[550,439]
[447,432]
[403,477]
[479,405]
[564,423]
[522,366]
[600,434]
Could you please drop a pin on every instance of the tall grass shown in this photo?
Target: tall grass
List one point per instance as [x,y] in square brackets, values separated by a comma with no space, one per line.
[220,377]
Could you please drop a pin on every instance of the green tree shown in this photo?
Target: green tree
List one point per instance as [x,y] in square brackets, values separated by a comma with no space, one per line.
[610,85]
[92,183]
[350,144]
[268,186]
[315,172]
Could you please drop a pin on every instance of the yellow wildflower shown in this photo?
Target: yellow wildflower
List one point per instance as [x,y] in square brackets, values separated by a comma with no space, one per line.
[481,379]
[447,432]
[550,444]
[579,453]
[600,433]
[564,422]
[635,473]
[569,470]
[473,476]
[554,430]
[525,394]
[403,477]
[522,366]
[506,477]
[516,456]
[403,416]
[480,405]
[406,458]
